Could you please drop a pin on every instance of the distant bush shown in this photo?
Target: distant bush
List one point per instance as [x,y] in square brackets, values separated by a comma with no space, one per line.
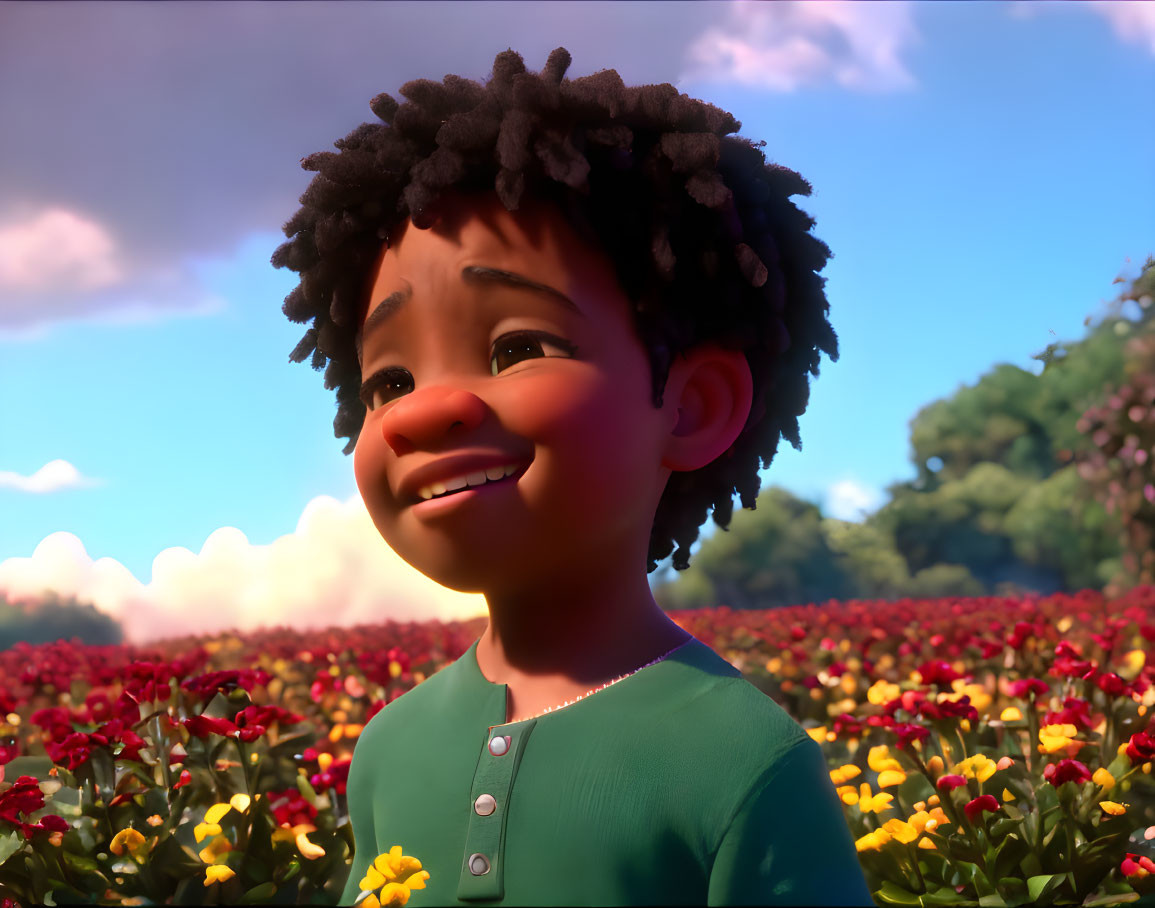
[53,618]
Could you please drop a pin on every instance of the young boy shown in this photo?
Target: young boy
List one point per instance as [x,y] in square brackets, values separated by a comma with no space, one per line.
[564,319]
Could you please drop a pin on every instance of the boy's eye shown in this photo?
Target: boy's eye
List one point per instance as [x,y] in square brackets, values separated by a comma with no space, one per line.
[511,349]
[384,386]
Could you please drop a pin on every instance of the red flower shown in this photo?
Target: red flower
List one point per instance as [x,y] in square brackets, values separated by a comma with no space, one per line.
[950,783]
[1026,688]
[847,724]
[207,686]
[949,709]
[203,726]
[1018,636]
[290,809]
[938,672]
[1076,711]
[908,732]
[1111,684]
[185,778]
[1133,864]
[1066,771]
[76,748]
[25,797]
[1141,748]
[979,804]
[1069,662]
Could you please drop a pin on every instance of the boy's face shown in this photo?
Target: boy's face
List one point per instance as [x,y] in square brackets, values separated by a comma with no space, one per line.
[484,374]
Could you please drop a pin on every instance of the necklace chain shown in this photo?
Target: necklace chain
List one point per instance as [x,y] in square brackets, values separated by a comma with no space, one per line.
[594,690]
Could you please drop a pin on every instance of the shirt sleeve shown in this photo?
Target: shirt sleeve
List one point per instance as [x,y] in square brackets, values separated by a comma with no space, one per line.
[789,843]
[360,802]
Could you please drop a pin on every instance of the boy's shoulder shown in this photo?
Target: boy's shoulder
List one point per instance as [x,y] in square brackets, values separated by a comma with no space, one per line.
[710,695]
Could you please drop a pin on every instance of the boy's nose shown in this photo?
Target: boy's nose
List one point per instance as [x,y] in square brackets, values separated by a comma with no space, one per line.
[421,418]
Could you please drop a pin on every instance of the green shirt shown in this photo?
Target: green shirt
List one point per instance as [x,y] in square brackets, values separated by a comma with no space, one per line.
[681,784]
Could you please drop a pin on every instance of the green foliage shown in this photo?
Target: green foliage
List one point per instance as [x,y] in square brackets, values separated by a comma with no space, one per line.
[55,618]
[1004,509]
[775,555]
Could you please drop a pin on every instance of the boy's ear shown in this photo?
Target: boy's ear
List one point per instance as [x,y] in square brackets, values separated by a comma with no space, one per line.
[710,390]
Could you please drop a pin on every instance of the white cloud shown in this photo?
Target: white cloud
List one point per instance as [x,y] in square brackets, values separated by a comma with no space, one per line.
[59,250]
[1132,21]
[851,501]
[787,45]
[334,569]
[54,476]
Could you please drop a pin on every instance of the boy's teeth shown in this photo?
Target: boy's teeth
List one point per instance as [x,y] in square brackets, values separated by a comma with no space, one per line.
[473,479]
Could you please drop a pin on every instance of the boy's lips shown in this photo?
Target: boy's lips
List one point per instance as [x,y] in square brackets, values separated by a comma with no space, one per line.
[455,468]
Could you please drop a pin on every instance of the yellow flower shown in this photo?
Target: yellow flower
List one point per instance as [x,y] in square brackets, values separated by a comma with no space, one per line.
[1056,738]
[980,767]
[888,778]
[934,764]
[844,774]
[818,734]
[872,841]
[883,691]
[1113,808]
[848,794]
[129,838]
[938,823]
[919,819]
[218,873]
[395,875]
[876,804]
[880,759]
[980,699]
[1103,779]
[1011,714]
[1007,796]
[901,830]
[216,813]
[308,849]
[216,849]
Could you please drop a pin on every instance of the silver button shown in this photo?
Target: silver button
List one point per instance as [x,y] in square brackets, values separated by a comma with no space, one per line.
[478,864]
[499,745]
[485,805]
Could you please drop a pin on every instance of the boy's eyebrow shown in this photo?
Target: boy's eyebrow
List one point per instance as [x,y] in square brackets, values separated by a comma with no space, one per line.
[471,274]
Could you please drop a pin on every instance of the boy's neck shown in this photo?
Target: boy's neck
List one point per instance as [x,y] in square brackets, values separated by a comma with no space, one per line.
[580,634]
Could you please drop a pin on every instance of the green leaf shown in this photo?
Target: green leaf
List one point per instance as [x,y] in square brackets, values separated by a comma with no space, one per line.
[9,845]
[307,790]
[994,900]
[984,888]
[1013,812]
[1011,852]
[259,893]
[944,896]
[1039,886]
[1121,898]
[962,873]
[893,894]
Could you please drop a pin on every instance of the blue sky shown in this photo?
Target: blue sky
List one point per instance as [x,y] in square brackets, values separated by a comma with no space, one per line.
[982,172]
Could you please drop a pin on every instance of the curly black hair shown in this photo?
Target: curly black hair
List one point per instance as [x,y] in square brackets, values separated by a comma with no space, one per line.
[700,229]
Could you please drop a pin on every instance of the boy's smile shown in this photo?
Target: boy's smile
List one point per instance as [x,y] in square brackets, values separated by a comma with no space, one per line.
[511,443]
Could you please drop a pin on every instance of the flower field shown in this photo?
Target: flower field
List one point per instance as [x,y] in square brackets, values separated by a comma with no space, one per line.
[988,751]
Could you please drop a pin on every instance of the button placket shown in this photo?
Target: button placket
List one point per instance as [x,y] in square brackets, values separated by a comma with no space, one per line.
[483,861]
